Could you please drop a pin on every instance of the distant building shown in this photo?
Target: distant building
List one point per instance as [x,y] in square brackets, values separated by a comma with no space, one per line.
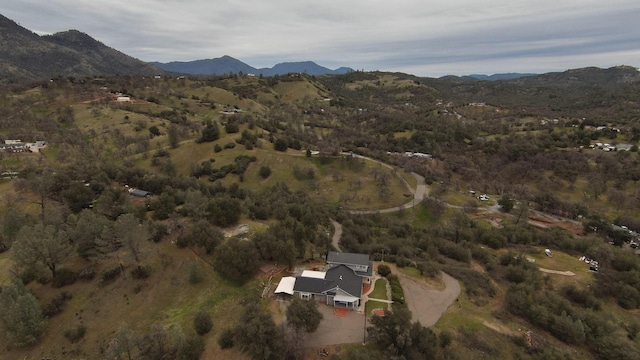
[139,193]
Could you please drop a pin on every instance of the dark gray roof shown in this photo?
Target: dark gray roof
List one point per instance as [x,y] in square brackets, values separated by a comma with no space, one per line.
[347,258]
[312,285]
[369,271]
[139,193]
[346,279]
[339,276]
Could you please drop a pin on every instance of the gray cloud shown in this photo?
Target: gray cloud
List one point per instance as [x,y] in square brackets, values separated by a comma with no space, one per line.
[424,38]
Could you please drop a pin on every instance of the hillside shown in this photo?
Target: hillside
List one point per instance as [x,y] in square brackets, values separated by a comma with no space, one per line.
[27,56]
[476,179]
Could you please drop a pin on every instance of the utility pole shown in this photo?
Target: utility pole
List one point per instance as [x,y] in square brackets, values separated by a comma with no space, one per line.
[364,329]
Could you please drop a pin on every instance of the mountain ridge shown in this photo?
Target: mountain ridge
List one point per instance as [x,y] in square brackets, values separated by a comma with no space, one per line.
[25,55]
[227,64]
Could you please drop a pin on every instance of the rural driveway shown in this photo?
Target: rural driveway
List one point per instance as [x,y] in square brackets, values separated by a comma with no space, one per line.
[337,234]
[337,329]
[426,304]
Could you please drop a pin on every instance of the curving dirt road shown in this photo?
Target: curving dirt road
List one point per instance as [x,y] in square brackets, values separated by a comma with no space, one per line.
[418,195]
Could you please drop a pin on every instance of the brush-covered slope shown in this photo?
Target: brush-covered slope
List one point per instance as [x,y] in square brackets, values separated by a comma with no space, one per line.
[25,55]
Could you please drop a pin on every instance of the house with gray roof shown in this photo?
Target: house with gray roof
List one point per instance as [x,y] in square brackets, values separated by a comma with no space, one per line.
[359,263]
[341,285]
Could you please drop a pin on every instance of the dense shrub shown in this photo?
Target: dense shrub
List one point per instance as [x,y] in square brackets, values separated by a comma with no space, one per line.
[64,277]
[280,145]
[397,294]
[202,322]
[429,268]
[190,347]
[265,171]
[454,251]
[158,231]
[225,339]
[384,270]
[87,274]
[303,173]
[74,335]
[56,305]
[141,272]
[475,283]
[231,128]
[110,275]
[581,297]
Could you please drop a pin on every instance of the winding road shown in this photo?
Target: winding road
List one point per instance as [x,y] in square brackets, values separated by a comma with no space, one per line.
[419,193]
[426,304]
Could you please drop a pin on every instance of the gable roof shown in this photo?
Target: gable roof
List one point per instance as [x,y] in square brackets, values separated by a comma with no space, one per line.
[347,258]
[346,279]
[312,285]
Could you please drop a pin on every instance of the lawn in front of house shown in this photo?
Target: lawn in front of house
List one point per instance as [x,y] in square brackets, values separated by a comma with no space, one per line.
[372,305]
[379,290]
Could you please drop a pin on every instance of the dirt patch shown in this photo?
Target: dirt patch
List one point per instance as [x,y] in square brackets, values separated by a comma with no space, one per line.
[341,312]
[495,222]
[320,352]
[498,328]
[241,229]
[565,273]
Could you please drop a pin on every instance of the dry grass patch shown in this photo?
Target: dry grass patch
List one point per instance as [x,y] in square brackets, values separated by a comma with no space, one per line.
[165,297]
[563,262]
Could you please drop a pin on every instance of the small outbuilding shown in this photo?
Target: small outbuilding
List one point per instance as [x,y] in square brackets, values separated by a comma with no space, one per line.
[139,193]
[286,285]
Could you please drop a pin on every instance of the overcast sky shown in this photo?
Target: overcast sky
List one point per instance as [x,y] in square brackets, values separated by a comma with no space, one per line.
[426,38]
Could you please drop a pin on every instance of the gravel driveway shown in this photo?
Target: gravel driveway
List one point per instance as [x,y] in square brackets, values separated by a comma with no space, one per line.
[427,305]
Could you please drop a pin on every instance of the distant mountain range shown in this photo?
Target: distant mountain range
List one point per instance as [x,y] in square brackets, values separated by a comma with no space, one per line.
[25,55]
[496,77]
[226,64]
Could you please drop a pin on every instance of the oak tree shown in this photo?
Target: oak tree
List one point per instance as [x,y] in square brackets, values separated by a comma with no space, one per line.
[41,245]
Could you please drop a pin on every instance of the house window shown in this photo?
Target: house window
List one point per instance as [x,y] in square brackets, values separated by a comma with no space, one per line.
[305,296]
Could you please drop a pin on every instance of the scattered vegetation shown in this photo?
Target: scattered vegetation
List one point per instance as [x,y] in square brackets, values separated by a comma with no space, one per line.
[68,222]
